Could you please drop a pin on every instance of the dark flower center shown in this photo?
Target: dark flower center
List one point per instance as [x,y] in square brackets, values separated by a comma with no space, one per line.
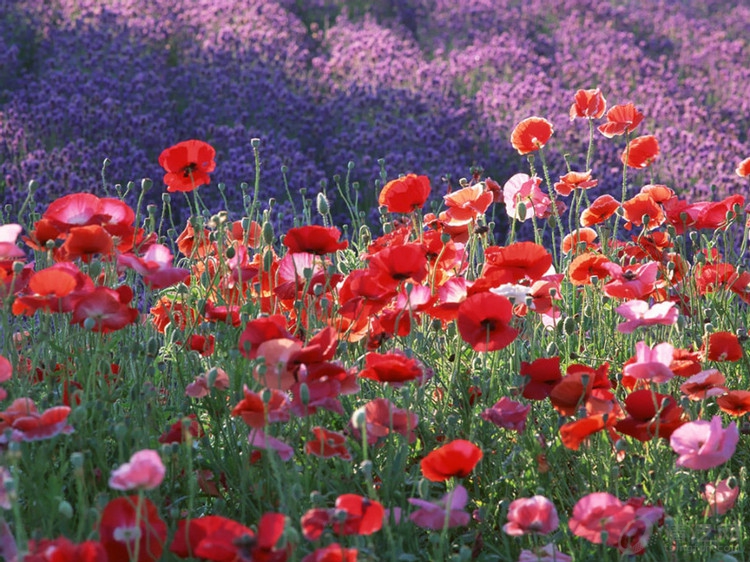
[188,170]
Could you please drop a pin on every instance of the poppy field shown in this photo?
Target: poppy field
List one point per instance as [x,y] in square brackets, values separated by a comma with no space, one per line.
[543,360]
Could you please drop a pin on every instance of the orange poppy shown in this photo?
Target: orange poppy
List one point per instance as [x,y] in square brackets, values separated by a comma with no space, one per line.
[621,119]
[659,193]
[457,458]
[467,203]
[743,168]
[588,103]
[642,205]
[641,152]
[584,236]
[723,346]
[586,266]
[735,402]
[575,180]
[531,134]
[600,210]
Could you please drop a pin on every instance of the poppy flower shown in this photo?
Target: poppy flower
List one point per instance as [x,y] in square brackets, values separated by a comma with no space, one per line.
[392,367]
[575,432]
[575,180]
[600,210]
[129,525]
[261,440]
[598,515]
[314,239]
[631,282]
[107,308]
[721,496]
[535,515]
[515,262]
[62,549]
[393,265]
[484,322]
[743,168]
[144,471]
[546,553]
[25,423]
[735,402]
[260,330]
[457,458]
[155,265]
[202,384]
[327,444]
[640,206]
[531,134]
[587,266]
[187,164]
[723,346]
[257,412]
[641,152]
[468,203]
[704,385]
[448,512]
[508,414]
[589,104]
[523,189]
[382,418]
[542,376]
[650,414]
[703,445]
[638,313]
[651,364]
[84,242]
[179,431]
[363,516]
[334,552]
[621,119]
[406,194]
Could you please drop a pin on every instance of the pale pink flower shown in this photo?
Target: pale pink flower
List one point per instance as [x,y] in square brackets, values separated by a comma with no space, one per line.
[720,497]
[651,364]
[201,387]
[508,414]
[144,471]
[703,445]
[434,515]
[155,266]
[524,189]
[632,282]
[638,313]
[536,515]
[546,553]
[260,440]
[601,512]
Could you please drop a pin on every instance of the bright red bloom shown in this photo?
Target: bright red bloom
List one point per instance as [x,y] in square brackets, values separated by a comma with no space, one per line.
[393,265]
[262,330]
[710,215]
[187,164]
[531,134]
[84,242]
[382,418]
[650,414]
[588,103]
[704,384]
[621,119]
[327,444]
[363,515]
[735,402]
[62,549]
[108,308]
[26,423]
[484,322]
[457,458]
[130,524]
[256,413]
[723,346]
[334,552]
[516,262]
[406,194]
[314,239]
[392,367]
[543,374]
[178,431]
[600,210]
[584,236]
[641,205]
[641,152]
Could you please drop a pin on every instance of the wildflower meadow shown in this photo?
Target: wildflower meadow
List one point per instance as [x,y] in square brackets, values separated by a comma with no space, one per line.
[517,333]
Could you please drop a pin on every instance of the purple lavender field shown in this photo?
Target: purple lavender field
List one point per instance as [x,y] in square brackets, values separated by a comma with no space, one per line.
[430,86]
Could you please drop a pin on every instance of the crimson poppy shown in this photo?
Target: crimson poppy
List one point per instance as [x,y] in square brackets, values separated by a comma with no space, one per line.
[107,308]
[518,261]
[650,414]
[62,549]
[393,265]
[327,444]
[187,164]
[621,119]
[589,104]
[457,458]
[543,374]
[484,322]
[600,210]
[393,367]
[641,152]
[735,402]
[261,330]
[531,134]
[363,515]
[257,412]
[129,525]
[314,239]
[334,552]
[406,194]
[179,430]
[723,346]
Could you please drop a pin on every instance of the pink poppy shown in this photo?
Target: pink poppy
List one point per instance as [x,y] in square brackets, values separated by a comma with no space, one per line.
[521,188]
[449,510]
[260,440]
[144,471]
[702,444]
[531,515]
[508,414]
[720,496]
[635,282]
[600,513]
[155,265]
[638,313]
[382,418]
[651,364]
[546,553]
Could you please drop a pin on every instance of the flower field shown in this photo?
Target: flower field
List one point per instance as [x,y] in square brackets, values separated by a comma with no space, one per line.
[409,281]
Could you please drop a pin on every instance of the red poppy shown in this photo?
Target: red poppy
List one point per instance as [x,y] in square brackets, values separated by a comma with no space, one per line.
[107,308]
[393,367]
[621,119]
[582,236]
[314,239]
[53,289]
[181,429]
[636,208]
[543,374]
[178,314]
[650,414]
[518,261]
[704,385]
[723,346]
[406,194]
[484,322]
[531,134]
[327,444]
[467,204]
[23,422]
[588,103]
[363,515]
[382,418]
[743,168]
[576,432]
[685,363]
[84,242]
[256,412]
[334,552]
[641,152]
[261,330]
[395,264]
[457,458]
[62,549]
[586,266]
[187,164]
[735,402]
[600,210]
[129,525]
[575,180]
